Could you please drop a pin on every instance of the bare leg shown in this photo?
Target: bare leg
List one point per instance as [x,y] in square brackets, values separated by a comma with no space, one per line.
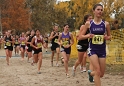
[39,61]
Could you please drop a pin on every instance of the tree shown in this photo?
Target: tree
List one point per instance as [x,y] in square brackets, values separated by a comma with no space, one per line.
[15,16]
[41,13]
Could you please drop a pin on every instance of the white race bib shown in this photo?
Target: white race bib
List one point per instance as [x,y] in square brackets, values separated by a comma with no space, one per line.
[98,39]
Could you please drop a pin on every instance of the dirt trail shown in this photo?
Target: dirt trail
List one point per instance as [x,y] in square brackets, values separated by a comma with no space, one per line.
[21,73]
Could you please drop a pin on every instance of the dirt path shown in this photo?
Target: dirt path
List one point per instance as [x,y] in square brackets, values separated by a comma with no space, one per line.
[21,73]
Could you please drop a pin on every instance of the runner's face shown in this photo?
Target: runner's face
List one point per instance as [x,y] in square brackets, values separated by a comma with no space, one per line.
[66,28]
[32,32]
[37,32]
[98,11]
[17,36]
[89,18]
[56,28]
[23,34]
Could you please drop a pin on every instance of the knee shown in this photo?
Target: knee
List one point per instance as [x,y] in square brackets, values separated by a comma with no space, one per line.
[40,59]
[98,73]
[65,60]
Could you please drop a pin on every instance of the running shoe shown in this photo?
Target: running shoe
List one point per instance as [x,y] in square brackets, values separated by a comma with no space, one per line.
[57,65]
[81,69]
[67,75]
[38,72]
[90,77]
[84,69]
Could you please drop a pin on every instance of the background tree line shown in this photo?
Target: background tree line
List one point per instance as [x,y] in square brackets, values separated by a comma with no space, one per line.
[22,15]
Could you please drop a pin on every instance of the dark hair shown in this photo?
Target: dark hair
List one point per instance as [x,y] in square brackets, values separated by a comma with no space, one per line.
[66,24]
[32,30]
[96,5]
[37,30]
[86,17]
[56,25]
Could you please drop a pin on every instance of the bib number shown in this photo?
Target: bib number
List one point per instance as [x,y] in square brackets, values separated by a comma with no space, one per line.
[23,43]
[56,40]
[39,44]
[8,44]
[98,39]
[65,43]
[16,43]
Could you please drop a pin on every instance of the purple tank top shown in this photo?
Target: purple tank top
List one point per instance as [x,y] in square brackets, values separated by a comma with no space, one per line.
[97,29]
[65,39]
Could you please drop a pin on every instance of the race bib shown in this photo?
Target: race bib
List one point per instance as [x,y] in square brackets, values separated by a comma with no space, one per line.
[23,43]
[16,42]
[65,43]
[39,44]
[8,44]
[56,40]
[98,39]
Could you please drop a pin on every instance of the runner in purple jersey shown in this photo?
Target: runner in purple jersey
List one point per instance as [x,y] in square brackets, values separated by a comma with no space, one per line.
[99,33]
[66,40]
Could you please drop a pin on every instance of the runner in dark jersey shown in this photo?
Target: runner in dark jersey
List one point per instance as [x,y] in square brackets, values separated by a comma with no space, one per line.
[99,33]
[82,47]
[29,48]
[17,45]
[8,40]
[54,45]
[67,41]
[37,43]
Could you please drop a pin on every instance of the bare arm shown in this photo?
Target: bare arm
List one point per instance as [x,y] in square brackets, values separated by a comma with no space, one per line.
[85,28]
[108,35]
[27,40]
[43,43]
[12,40]
[72,40]
[32,41]
[51,36]
[59,39]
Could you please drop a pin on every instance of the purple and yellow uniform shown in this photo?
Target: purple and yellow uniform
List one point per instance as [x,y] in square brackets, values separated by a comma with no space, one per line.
[66,41]
[97,45]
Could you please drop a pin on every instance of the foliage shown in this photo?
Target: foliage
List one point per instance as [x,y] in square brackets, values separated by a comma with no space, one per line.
[42,12]
[14,15]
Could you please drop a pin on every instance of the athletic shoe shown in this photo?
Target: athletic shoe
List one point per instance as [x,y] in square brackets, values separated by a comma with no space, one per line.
[84,69]
[38,72]
[57,65]
[67,75]
[81,69]
[90,77]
